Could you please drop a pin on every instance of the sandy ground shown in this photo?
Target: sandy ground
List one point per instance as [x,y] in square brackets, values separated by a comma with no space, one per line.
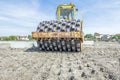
[98,62]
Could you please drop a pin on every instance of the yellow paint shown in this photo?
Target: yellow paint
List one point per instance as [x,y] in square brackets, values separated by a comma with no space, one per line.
[37,35]
[58,13]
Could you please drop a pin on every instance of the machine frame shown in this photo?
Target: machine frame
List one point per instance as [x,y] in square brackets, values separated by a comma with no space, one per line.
[66,7]
[63,35]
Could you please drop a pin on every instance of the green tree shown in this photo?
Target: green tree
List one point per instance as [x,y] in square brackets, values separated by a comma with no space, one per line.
[89,36]
[6,39]
[95,38]
[12,38]
[29,37]
[95,34]
[116,37]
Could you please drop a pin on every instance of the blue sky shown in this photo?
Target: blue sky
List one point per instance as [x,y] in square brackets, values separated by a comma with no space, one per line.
[21,17]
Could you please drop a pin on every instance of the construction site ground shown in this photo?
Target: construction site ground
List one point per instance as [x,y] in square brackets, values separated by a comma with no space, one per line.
[100,61]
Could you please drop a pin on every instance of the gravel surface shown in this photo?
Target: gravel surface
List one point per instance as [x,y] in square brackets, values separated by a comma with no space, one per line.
[98,62]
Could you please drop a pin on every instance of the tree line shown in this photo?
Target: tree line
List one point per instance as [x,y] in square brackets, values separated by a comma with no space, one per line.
[86,36]
[105,37]
[14,38]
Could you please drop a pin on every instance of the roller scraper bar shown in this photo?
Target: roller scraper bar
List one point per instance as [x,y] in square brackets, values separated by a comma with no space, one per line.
[59,36]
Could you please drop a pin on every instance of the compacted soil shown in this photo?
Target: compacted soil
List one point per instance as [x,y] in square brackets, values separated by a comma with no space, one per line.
[100,61]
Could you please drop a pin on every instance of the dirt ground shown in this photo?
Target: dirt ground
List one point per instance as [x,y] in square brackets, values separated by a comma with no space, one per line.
[98,62]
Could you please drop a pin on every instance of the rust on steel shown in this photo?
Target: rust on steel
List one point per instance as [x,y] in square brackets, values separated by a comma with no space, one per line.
[36,35]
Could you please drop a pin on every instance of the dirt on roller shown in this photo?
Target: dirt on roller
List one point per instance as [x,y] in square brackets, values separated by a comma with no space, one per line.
[98,62]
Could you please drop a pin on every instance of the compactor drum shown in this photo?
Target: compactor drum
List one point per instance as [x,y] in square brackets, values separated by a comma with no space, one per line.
[60,35]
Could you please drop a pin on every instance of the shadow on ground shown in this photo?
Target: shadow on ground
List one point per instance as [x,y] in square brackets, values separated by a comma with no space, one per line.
[36,49]
[32,49]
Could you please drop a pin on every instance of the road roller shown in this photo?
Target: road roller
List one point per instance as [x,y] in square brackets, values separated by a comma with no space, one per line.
[63,34]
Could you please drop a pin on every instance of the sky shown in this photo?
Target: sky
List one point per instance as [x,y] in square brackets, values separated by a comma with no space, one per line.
[21,17]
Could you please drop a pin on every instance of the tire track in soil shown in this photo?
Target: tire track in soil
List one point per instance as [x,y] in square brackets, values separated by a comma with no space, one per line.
[90,64]
[110,60]
[60,67]
[63,68]
[45,69]
[19,71]
[107,74]
[9,68]
[87,70]
[60,76]
[55,68]
[78,70]
[70,67]
[67,68]
[29,73]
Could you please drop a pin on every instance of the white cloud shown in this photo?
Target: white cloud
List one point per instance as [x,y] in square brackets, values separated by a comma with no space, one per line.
[102,30]
[22,16]
[7,31]
[101,16]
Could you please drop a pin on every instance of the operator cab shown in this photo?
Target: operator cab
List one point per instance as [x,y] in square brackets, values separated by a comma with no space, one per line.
[66,12]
